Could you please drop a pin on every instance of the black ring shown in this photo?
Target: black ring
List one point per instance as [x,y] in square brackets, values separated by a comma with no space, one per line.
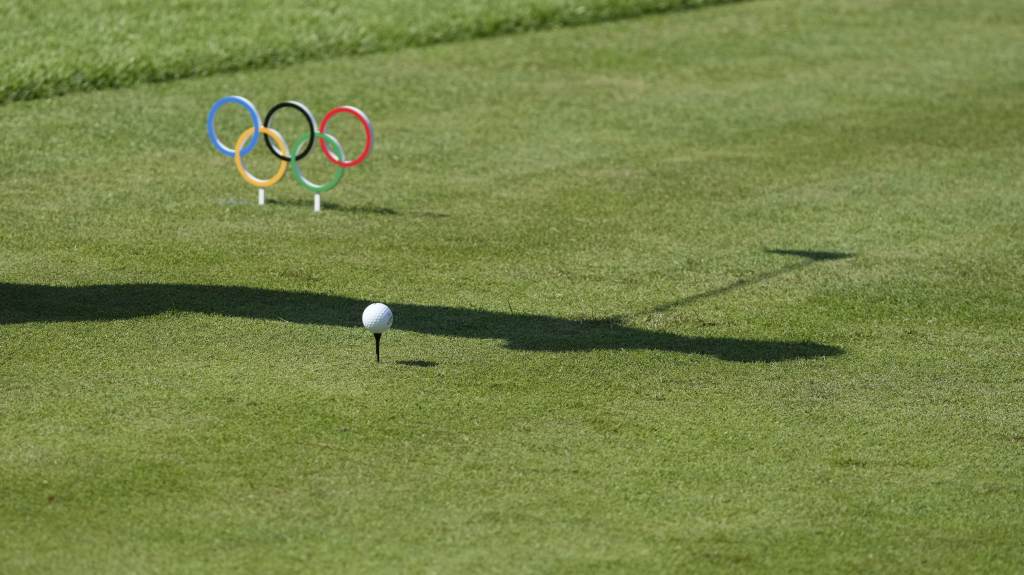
[309,119]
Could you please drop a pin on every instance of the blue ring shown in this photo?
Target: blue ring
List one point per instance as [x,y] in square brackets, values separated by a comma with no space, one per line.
[211,131]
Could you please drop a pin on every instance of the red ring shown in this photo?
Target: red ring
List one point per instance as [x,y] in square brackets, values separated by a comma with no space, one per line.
[366,128]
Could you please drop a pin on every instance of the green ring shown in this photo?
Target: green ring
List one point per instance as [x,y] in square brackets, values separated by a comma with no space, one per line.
[297,172]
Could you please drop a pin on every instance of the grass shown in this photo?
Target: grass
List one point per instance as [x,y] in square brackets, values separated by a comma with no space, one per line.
[731,289]
[117,44]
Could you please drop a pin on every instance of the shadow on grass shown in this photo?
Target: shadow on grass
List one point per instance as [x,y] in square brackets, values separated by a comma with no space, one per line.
[809,258]
[335,207]
[22,303]
[417,363]
[359,210]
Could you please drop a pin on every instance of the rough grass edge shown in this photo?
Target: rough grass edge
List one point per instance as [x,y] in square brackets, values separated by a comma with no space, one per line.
[533,18]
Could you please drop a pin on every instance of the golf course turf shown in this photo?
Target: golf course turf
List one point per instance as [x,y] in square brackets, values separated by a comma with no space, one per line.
[724,290]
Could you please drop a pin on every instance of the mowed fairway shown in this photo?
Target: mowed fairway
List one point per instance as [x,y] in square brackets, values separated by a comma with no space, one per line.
[733,289]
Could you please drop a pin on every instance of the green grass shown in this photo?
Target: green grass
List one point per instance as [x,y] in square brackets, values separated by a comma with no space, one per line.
[603,359]
[54,47]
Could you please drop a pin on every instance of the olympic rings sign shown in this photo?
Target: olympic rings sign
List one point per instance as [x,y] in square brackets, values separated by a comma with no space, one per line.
[329,145]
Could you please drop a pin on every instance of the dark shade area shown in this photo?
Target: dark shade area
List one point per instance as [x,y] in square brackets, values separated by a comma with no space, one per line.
[20,303]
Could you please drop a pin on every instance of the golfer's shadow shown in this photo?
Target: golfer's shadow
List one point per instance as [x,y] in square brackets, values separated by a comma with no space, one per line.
[23,303]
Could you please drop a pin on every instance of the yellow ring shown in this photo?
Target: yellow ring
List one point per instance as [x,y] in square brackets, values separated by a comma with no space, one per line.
[253,180]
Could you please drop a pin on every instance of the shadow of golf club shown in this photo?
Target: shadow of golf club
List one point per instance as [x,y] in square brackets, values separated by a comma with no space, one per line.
[22,303]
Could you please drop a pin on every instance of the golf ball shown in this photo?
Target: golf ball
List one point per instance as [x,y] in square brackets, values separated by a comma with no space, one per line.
[377,318]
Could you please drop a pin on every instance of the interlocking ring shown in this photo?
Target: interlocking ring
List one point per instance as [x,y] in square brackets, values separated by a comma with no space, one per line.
[279,147]
[367,129]
[211,129]
[249,178]
[310,120]
[338,173]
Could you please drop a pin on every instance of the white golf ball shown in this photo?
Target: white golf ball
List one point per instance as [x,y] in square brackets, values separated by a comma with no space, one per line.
[377,318]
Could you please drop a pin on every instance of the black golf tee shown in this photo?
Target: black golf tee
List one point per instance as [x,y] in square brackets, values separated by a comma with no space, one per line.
[376,336]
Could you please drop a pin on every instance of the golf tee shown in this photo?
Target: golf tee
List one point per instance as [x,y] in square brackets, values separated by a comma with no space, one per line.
[262,197]
[316,202]
[376,337]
